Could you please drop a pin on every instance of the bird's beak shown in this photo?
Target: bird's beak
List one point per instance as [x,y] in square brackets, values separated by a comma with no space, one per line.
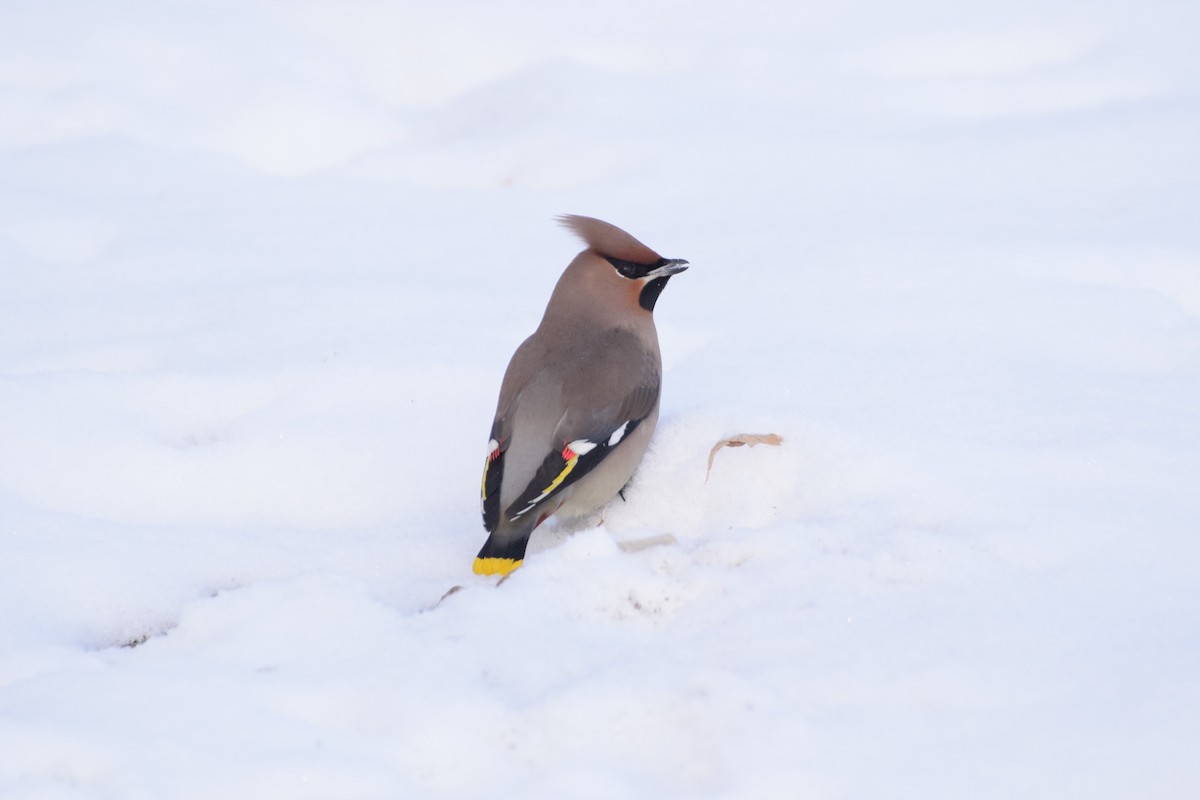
[668,267]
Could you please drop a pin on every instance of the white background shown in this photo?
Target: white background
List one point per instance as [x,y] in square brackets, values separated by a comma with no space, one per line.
[262,265]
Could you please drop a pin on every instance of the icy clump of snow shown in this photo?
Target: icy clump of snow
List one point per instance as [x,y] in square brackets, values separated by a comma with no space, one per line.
[261,268]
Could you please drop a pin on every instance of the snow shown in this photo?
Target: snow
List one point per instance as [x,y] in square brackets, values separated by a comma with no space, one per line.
[262,266]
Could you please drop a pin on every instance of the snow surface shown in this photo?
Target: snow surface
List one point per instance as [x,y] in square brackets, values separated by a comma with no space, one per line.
[261,268]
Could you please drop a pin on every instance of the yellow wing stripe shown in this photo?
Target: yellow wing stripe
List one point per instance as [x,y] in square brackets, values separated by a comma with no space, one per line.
[571,462]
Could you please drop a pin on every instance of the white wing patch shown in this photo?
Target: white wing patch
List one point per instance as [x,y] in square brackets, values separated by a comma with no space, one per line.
[618,434]
[581,446]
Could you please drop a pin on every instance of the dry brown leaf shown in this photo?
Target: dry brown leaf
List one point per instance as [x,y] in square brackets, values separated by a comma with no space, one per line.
[773,439]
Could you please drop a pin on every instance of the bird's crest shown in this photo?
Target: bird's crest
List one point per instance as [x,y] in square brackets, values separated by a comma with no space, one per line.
[609,240]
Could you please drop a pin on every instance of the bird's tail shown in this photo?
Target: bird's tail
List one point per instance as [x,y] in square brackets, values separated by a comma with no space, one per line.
[501,554]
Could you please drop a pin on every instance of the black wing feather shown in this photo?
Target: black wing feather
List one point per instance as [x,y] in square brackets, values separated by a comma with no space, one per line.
[493,472]
[493,475]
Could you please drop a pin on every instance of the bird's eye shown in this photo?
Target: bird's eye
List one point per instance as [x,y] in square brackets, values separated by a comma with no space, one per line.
[629,269]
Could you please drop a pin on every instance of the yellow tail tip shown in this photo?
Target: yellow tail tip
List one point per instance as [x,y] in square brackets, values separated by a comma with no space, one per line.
[495,566]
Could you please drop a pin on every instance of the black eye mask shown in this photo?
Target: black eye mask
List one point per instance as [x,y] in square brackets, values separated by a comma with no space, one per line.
[633,270]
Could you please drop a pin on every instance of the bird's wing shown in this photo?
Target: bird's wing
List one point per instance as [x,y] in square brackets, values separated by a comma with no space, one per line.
[493,473]
[586,440]
[608,388]
[601,395]
[521,371]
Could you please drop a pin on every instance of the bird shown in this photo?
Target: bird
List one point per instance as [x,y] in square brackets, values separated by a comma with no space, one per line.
[580,398]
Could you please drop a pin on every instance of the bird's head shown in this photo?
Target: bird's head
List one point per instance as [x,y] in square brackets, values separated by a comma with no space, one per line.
[617,264]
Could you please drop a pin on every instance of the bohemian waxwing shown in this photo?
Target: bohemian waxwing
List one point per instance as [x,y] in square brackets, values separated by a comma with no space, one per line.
[579,400]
